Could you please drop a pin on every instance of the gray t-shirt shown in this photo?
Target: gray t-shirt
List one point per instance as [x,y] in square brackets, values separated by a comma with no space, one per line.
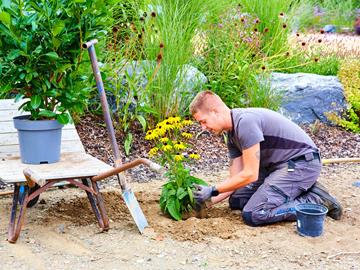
[280,139]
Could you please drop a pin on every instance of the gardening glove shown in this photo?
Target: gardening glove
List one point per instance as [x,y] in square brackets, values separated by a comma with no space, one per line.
[202,193]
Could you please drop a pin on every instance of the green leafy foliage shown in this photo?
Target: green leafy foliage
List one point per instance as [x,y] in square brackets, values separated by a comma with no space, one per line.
[349,76]
[173,149]
[41,53]
[176,196]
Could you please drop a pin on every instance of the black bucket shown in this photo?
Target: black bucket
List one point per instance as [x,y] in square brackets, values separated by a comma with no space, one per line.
[310,219]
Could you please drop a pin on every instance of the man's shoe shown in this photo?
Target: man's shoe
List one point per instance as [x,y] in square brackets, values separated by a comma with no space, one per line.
[333,206]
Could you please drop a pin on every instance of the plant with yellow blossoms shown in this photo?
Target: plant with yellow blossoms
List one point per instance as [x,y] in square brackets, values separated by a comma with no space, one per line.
[172,148]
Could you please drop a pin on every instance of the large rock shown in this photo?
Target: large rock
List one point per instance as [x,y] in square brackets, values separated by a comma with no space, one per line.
[308,96]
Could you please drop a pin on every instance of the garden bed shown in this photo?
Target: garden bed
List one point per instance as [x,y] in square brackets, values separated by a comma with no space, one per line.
[62,233]
[333,142]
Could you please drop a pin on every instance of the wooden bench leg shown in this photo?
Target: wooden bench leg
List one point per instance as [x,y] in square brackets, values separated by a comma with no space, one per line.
[14,229]
[97,205]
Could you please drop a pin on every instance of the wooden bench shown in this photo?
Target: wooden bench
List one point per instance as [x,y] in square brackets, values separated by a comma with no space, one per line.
[75,167]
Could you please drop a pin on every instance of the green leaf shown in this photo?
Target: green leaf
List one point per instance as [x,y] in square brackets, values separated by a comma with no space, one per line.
[181,193]
[127,143]
[172,209]
[142,121]
[14,54]
[28,77]
[191,197]
[63,118]
[57,28]
[47,114]
[0,68]
[18,97]
[198,181]
[52,55]
[5,18]
[47,83]
[35,101]
[56,42]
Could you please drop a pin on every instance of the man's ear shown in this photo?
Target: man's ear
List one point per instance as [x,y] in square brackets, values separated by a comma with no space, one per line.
[214,109]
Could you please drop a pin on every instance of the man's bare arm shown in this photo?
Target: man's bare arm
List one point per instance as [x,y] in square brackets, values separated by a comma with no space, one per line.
[249,172]
[235,167]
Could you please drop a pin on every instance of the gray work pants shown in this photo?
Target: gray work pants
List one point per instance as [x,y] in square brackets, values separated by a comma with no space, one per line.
[273,196]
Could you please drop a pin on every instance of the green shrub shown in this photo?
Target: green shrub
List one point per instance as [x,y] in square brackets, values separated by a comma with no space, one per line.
[349,76]
[41,56]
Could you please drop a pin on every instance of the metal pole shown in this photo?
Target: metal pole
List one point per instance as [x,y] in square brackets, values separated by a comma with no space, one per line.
[100,86]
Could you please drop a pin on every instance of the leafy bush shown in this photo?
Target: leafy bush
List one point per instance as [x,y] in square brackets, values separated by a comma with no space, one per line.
[171,141]
[349,76]
[40,53]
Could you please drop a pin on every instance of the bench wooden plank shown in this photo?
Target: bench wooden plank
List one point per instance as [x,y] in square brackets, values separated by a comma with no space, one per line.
[8,126]
[71,146]
[9,104]
[7,115]
[70,166]
[12,138]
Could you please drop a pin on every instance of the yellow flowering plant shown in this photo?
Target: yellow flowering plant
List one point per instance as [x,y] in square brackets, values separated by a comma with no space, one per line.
[173,149]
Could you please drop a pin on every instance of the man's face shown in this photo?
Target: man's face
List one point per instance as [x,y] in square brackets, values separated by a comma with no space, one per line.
[209,121]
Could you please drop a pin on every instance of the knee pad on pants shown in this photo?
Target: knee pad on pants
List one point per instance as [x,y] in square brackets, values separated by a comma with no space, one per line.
[247,217]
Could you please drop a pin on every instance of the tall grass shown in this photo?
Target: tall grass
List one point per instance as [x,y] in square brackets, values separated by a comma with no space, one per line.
[273,14]
[238,58]
[168,40]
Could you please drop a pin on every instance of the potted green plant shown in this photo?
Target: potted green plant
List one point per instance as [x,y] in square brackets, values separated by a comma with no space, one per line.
[41,63]
[173,149]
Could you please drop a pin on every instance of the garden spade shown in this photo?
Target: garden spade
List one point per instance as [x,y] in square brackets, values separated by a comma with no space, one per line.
[127,193]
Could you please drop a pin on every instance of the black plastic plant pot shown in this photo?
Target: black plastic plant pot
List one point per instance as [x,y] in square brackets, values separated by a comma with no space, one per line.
[39,140]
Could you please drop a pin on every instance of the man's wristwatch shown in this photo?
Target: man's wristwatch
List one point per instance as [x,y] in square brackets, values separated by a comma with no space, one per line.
[214,191]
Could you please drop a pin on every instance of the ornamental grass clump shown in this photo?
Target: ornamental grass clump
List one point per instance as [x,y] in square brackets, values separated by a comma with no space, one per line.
[172,148]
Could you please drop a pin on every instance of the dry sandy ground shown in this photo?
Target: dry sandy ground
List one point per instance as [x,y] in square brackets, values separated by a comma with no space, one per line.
[61,233]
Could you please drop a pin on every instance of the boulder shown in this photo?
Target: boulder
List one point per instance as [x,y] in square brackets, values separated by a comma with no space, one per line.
[307,97]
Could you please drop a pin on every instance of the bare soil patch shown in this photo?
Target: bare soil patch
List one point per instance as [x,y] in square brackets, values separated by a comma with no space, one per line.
[62,233]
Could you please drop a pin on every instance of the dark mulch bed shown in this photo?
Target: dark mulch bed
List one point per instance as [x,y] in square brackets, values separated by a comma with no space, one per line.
[333,142]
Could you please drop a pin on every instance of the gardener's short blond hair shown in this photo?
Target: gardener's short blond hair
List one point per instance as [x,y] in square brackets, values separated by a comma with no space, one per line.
[203,101]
